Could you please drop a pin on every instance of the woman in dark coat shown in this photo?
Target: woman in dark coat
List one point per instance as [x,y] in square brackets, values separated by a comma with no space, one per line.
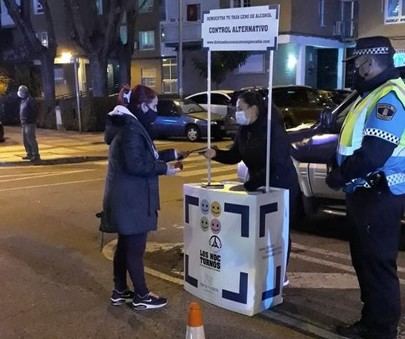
[131,198]
[250,146]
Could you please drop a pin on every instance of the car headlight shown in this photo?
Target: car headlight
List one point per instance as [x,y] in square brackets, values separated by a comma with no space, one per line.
[214,123]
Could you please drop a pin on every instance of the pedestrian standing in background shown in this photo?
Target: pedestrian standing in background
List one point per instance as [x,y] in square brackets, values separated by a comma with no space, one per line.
[131,198]
[28,119]
[371,170]
[250,146]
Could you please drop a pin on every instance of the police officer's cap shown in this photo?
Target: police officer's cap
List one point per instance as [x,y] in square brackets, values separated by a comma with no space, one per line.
[373,45]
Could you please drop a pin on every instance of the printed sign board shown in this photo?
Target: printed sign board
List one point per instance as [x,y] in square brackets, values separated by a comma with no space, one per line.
[241,29]
[235,246]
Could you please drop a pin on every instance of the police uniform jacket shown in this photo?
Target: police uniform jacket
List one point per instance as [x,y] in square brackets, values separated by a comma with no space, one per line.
[372,139]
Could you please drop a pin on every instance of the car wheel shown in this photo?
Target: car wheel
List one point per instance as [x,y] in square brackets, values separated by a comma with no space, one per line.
[193,133]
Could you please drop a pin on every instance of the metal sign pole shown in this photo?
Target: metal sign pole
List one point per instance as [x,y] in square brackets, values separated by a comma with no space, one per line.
[269,103]
[209,111]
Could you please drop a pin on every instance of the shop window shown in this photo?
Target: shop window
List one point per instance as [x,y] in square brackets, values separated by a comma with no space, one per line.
[37,7]
[147,40]
[148,77]
[145,6]
[193,12]
[394,11]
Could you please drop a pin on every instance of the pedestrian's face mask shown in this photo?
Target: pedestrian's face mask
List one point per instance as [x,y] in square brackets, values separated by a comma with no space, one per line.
[245,114]
[149,111]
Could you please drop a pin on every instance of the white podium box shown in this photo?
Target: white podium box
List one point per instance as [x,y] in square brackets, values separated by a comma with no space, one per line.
[235,246]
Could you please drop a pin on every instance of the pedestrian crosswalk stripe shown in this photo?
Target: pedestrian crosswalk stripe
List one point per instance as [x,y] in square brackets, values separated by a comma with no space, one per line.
[221,169]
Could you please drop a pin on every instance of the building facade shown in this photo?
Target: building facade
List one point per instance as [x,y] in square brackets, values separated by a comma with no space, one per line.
[387,18]
[313,36]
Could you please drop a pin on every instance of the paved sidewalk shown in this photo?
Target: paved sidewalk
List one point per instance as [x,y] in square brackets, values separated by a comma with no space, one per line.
[55,147]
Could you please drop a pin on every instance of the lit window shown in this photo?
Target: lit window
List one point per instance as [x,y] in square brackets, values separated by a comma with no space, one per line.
[148,77]
[147,40]
[145,6]
[124,29]
[37,7]
[322,12]
[169,76]
[394,11]
[399,58]
[240,3]
[193,12]
[99,4]
[43,37]
[59,73]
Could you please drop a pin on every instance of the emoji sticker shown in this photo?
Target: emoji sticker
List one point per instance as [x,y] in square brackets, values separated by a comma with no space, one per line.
[215,209]
[204,223]
[205,206]
[215,226]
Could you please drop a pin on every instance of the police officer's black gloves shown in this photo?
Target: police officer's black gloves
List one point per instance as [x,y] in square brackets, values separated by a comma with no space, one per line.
[335,179]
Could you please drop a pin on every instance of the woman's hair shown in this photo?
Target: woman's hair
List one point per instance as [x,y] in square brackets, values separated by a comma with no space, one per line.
[142,94]
[254,98]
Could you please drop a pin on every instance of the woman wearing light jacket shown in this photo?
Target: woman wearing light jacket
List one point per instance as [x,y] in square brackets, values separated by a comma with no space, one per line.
[131,198]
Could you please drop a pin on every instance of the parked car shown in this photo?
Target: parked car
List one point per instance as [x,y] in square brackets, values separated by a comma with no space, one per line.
[298,104]
[184,118]
[220,104]
[313,146]
[220,100]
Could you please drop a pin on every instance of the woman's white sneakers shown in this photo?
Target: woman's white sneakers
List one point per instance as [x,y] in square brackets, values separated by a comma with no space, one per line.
[149,301]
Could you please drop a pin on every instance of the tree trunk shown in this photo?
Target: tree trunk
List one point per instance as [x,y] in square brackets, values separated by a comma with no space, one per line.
[98,74]
[48,81]
[125,66]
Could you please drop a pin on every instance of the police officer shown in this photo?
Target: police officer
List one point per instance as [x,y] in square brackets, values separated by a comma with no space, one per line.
[371,170]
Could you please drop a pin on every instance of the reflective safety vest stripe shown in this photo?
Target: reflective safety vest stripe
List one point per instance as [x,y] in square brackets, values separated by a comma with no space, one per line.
[352,132]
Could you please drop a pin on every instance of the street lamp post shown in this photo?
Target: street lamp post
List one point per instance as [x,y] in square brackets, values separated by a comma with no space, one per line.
[77,92]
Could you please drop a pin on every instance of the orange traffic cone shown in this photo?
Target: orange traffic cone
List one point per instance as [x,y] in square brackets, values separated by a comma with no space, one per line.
[195,327]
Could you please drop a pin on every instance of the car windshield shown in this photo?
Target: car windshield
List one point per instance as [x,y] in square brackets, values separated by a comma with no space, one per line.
[188,106]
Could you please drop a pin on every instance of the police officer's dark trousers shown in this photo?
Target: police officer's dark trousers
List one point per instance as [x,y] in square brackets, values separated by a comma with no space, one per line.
[375,214]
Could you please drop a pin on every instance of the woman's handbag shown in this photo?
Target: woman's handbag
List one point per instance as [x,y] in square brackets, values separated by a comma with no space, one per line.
[105,227]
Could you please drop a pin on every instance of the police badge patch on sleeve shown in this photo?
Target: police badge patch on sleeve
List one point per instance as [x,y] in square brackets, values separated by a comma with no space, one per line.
[385,111]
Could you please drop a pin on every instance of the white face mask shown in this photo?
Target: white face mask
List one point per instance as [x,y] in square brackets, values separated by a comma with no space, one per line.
[241,118]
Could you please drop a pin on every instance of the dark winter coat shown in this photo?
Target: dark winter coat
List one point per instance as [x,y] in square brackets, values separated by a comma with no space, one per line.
[131,197]
[28,111]
[250,146]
